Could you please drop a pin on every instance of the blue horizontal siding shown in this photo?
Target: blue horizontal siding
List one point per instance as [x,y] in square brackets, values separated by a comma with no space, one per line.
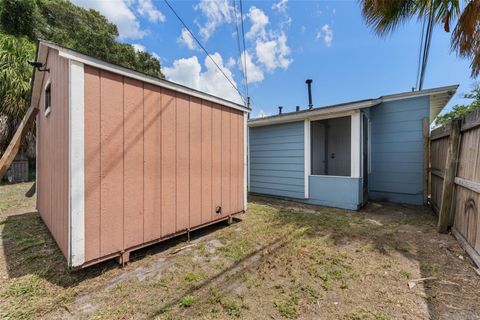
[277,160]
[397,150]
[340,192]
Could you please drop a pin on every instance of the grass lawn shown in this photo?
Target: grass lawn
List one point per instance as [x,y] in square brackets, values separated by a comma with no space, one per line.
[281,260]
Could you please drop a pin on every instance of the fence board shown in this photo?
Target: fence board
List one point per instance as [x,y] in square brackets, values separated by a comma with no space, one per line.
[466,212]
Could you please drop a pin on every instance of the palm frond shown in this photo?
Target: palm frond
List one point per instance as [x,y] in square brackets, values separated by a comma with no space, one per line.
[466,35]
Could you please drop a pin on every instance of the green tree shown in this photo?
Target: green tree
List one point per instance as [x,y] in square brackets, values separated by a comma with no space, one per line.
[386,15]
[460,110]
[71,26]
[15,74]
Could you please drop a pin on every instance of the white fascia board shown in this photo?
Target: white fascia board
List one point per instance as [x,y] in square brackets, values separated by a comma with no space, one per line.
[76,164]
[415,94]
[307,158]
[87,60]
[327,112]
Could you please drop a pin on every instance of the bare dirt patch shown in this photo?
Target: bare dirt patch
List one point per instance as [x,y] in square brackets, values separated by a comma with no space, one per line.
[281,260]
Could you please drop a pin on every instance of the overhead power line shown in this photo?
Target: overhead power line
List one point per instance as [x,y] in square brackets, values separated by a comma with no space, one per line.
[424,49]
[239,48]
[205,50]
[244,47]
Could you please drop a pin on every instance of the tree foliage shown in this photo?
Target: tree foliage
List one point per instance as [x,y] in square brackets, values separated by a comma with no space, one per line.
[15,74]
[86,31]
[386,15]
[460,110]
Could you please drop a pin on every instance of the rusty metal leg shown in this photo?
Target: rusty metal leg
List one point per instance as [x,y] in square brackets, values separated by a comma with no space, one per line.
[188,235]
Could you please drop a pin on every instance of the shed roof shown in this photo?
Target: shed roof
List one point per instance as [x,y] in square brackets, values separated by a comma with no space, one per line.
[42,50]
[439,97]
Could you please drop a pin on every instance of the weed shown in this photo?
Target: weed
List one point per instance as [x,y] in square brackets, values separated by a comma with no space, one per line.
[287,307]
[430,268]
[231,308]
[405,274]
[192,276]
[187,301]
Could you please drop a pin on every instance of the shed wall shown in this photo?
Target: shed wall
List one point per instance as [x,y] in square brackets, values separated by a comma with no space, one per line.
[397,150]
[157,162]
[52,148]
[277,160]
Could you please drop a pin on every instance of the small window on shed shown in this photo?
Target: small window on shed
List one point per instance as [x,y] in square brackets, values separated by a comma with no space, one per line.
[48,99]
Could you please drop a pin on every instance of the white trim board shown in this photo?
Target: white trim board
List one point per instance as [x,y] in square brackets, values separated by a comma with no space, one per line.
[246,161]
[356,153]
[307,159]
[354,105]
[76,188]
[91,61]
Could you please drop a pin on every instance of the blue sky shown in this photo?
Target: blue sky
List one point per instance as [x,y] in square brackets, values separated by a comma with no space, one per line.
[286,43]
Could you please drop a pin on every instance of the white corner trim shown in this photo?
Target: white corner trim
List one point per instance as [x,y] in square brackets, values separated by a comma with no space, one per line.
[76,164]
[356,154]
[307,160]
[369,156]
[246,161]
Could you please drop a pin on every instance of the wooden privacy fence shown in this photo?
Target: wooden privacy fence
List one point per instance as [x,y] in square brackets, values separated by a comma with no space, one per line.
[455,181]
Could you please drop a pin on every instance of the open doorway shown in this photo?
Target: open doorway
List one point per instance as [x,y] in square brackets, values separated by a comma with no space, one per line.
[330,147]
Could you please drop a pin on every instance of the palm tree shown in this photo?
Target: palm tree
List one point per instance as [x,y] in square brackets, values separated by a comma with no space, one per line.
[15,74]
[386,15]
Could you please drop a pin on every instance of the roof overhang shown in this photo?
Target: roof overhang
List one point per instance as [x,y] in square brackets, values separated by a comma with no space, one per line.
[439,97]
[42,52]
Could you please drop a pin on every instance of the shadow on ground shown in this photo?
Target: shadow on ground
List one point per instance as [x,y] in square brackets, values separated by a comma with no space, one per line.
[29,249]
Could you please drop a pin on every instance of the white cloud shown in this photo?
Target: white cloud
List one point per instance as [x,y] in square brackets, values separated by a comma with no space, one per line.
[147,9]
[138,47]
[231,63]
[254,73]
[119,13]
[273,53]
[259,21]
[216,12]
[271,49]
[281,6]
[188,72]
[326,33]
[262,114]
[187,40]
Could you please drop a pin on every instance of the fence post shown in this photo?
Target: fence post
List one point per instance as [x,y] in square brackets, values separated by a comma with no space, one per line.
[449,179]
[426,159]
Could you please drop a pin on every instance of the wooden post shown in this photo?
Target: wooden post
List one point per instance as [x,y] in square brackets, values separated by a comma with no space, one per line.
[449,179]
[15,144]
[426,160]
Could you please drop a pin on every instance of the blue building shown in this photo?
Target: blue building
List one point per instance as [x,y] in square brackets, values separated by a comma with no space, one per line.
[344,154]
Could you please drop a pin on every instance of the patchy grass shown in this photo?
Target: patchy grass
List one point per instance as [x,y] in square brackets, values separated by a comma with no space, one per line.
[187,301]
[282,261]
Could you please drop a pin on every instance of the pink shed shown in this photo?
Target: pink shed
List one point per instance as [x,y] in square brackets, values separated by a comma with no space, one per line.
[126,160]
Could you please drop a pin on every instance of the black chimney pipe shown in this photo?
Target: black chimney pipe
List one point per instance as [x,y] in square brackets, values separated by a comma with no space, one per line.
[309,84]
[297,108]
[280,109]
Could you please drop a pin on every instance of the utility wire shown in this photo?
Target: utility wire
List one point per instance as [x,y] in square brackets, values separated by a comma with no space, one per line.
[420,53]
[425,50]
[244,47]
[203,48]
[239,48]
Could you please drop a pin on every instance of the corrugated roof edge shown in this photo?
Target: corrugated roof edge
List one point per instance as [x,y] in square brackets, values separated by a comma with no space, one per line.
[92,61]
[347,106]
